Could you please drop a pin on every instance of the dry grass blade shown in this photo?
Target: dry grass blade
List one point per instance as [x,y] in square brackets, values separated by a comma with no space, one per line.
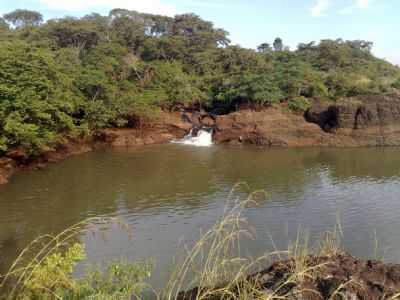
[215,259]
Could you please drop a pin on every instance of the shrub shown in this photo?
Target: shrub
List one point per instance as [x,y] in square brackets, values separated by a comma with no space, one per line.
[299,104]
[396,84]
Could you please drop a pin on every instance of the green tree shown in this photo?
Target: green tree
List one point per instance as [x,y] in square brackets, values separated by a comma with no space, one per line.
[35,102]
[23,17]
[278,44]
[264,48]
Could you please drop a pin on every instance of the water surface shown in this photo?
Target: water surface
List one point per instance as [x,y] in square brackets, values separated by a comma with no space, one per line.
[168,193]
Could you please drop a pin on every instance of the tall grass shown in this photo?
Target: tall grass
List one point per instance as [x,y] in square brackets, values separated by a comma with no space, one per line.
[216,269]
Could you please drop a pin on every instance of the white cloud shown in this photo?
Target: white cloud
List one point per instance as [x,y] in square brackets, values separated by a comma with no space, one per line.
[347,10]
[319,7]
[363,3]
[146,6]
[358,5]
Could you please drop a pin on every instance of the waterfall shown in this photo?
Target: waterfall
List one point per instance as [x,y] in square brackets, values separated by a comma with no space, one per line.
[199,138]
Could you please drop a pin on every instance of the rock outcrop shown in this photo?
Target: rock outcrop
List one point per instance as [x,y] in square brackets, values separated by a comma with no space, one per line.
[167,127]
[367,121]
[270,127]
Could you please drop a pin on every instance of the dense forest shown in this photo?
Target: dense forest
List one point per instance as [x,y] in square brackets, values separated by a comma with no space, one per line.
[72,76]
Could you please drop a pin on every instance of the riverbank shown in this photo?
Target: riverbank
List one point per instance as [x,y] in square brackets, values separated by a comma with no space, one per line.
[372,121]
[337,276]
[167,127]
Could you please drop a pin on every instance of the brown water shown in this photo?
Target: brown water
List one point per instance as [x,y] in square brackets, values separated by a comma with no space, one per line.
[169,192]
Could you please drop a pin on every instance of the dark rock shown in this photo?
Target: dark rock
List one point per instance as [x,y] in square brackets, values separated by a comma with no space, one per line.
[207,121]
[338,276]
[363,121]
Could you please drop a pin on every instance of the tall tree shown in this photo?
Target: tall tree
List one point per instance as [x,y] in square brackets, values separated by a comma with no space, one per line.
[264,48]
[23,17]
[278,44]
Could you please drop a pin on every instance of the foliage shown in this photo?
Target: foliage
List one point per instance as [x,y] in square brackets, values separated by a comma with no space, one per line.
[278,44]
[75,75]
[258,89]
[54,279]
[23,17]
[299,104]
[36,103]
[396,84]
[120,280]
[53,276]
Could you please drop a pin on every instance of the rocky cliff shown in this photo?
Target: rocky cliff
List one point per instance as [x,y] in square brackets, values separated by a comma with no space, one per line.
[367,121]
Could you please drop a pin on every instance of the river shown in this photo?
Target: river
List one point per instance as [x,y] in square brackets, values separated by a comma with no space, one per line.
[168,193]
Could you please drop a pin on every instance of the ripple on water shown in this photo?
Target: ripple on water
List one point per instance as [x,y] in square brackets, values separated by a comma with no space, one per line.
[169,193]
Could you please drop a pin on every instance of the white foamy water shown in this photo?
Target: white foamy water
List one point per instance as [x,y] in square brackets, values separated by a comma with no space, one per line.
[202,139]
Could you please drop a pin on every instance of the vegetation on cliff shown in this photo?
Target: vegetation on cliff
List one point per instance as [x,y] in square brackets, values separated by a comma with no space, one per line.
[71,76]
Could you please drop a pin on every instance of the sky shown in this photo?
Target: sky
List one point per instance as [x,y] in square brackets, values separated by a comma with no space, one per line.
[252,22]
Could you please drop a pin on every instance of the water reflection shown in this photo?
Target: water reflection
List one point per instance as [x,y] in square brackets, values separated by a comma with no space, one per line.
[167,192]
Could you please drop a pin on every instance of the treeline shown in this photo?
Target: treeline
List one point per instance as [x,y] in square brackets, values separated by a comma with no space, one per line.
[71,76]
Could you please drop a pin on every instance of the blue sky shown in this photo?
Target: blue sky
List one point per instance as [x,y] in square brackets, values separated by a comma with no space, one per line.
[252,22]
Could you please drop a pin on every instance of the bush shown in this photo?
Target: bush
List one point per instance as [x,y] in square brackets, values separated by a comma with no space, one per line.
[396,84]
[299,104]
[53,279]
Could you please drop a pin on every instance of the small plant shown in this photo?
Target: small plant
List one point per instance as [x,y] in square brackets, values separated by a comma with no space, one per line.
[53,277]
[120,280]
[396,84]
[299,104]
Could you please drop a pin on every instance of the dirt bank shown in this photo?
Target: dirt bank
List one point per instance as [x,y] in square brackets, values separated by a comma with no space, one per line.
[340,276]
